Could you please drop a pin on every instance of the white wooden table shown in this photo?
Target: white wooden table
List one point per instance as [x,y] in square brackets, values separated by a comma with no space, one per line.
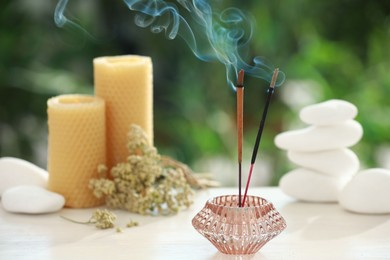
[315,231]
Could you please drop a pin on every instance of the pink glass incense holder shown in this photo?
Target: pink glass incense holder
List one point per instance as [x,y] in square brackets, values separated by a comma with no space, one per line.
[238,230]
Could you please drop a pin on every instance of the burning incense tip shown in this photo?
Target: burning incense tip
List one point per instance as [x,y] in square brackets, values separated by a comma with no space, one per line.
[274,78]
[240,80]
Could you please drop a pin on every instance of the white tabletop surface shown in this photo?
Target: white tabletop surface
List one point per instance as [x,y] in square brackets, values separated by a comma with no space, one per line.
[314,231]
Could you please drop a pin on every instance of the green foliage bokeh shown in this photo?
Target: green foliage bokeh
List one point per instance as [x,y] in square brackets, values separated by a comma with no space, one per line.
[328,49]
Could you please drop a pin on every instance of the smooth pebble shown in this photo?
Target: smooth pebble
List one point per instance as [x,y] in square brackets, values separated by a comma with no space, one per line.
[368,192]
[321,138]
[338,162]
[31,200]
[311,186]
[15,172]
[330,112]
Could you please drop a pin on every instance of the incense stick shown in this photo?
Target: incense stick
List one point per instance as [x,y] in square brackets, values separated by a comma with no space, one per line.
[240,126]
[260,131]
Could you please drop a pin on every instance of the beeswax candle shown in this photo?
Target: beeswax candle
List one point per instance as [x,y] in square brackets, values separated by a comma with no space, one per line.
[126,85]
[76,147]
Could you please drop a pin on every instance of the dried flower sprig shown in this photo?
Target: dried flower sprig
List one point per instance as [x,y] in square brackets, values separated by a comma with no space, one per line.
[102,219]
[145,183]
[132,223]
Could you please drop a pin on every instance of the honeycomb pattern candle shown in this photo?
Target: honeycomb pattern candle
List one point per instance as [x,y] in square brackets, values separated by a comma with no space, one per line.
[126,84]
[76,147]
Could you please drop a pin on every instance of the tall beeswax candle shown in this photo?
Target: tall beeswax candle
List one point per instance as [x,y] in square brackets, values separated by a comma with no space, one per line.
[126,84]
[76,147]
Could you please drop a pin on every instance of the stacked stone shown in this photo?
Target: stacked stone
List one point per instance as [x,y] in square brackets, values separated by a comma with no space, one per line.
[368,192]
[321,151]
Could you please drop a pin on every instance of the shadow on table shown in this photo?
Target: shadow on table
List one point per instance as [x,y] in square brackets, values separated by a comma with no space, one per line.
[322,221]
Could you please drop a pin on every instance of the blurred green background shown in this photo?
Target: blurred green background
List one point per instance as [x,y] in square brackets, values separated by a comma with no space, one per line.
[333,49]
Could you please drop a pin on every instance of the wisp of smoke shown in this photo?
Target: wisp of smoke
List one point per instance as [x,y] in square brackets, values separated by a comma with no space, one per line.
[212,36]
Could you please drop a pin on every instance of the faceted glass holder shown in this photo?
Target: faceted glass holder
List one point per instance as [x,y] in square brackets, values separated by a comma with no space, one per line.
[238,230]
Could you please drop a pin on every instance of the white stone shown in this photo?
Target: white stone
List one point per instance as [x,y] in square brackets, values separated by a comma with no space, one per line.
[308,185]
[15,172]
[321,138]
[31,200]
[368,192]
[328,113]
[338,162]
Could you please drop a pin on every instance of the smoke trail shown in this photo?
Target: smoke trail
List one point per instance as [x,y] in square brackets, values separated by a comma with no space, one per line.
[211,36]
[61,20]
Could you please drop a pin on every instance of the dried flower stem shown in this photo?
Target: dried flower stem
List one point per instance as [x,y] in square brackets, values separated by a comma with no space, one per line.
[77,222]
[196,180]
